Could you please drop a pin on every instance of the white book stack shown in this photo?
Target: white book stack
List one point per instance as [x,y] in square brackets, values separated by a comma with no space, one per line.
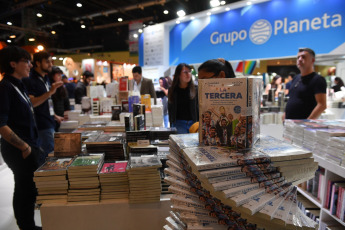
[157,115]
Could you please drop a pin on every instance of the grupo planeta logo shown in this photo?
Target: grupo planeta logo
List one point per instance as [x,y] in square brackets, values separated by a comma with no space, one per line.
[260,32]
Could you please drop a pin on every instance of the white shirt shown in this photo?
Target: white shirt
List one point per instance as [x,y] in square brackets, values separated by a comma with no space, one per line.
[136,86]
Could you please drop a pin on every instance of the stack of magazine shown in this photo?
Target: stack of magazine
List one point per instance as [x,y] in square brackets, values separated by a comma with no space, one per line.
[144,179]
[239,189]
[51,181]
[83,178]
[114,180]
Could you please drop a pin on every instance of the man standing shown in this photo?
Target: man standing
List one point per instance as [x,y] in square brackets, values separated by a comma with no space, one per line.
[308,89]
[40,94]
[141,84]
[80,89]
[288,85]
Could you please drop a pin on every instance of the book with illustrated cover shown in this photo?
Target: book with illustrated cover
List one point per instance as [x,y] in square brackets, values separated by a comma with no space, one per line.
[54,166]
[90,161]
[123,84]
[146,161]
[139,109]
[146,100]
[67,144]
[229,111]
[115,112]
[115,167]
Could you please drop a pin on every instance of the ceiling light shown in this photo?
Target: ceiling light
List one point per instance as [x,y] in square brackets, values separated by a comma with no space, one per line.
[9,23]
[181,13]
[227,8]
[177,22]
[39,15]
[135,35]
[60,58]
[192,17]
[165,12]
[249,3]
[222,3]
[40,47]
[9,41]
[32,39]
[54,58]
[53,32]
[83,26]
[214,3]
[140,30]
[120,19]
[208,13]
[13,36]
[79,4]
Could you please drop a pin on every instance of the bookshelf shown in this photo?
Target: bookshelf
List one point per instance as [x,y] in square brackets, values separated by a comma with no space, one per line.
[332,172]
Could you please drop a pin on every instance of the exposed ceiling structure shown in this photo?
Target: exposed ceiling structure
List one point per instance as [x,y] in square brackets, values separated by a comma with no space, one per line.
[103,30]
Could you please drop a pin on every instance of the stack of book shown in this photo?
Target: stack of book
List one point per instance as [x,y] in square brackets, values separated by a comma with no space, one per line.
[137,150]
[161,133]
[111,144]
[70,125]
[241,189]
[51,181]
[83,178]
[67,144]
[115,126]
[93,125]
[144,179]
[114,181]
[88,133]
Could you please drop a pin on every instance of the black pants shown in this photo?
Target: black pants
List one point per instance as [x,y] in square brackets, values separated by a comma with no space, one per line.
[25,192]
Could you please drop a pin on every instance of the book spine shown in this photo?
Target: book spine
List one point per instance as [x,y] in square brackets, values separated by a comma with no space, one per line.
[328,195]
[342,211]
[333,197]
[339,201]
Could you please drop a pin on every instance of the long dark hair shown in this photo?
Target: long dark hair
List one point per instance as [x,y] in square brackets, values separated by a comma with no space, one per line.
[274,81]
[165,82]
[176,83]
[61,91]
[339,81]
[216,65]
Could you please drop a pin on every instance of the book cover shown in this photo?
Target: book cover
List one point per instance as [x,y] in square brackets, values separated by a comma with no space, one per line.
[123,84]
[115,112]
[229,112]
[125,106]
[54,166]
[146,161]
[89,160]
[139,109]
[146,100]
[116,167]
[67,144]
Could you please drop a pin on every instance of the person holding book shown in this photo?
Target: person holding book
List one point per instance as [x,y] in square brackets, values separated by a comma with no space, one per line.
[183,100]
[19,134]
[141,84]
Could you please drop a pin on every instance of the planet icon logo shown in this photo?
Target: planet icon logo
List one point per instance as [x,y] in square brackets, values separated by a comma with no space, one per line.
[260,31]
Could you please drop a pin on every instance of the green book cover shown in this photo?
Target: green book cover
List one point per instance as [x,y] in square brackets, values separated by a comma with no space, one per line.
[87,160]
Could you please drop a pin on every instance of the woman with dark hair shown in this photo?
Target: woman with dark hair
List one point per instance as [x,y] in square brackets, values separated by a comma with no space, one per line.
[275,85]
[215,68]
[60,97]
[19,134]
[338,84]
[183,100]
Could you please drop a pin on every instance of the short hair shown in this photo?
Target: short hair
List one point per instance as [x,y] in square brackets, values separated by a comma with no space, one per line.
[38,57]
[87,74]
[292,74]
[9,54]
[137,69]
[216,65]
[307,50]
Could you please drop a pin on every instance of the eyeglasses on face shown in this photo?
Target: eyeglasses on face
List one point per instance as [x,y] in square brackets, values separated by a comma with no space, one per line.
[25,61]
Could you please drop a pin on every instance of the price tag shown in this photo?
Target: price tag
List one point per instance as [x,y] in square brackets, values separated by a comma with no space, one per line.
[143,142]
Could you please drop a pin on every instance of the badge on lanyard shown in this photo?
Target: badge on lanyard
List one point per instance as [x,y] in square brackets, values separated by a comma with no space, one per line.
[50,101]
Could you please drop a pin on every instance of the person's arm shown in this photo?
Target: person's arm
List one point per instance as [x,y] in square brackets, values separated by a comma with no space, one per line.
[36,101]
[7,133]
[320,106]
[279,88]
[268,87]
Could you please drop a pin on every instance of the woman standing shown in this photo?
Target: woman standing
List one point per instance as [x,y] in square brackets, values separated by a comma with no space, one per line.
[183,100]
[163,84]
[60,97]
[19,142]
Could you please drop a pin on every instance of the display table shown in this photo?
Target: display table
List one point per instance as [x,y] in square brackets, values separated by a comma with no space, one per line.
[110,215]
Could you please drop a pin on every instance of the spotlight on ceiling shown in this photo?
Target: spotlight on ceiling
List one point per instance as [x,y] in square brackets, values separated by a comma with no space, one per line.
[79,4]
[83,26]
[39,15]
[54,58]
[40,47]
[214,3]
[208,13]
[9,23]
[60,58]
[13,36]
[181,13]
[192,18]
[53,32]
[32,39]
[249,3]
[9,41]
[165,12]
[227,8]
[120,19]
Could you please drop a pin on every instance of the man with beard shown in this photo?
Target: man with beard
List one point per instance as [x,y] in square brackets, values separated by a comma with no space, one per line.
[40,92]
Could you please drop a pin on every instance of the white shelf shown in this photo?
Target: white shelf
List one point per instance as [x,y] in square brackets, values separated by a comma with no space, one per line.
[334,217]
[310,197]
[333,167]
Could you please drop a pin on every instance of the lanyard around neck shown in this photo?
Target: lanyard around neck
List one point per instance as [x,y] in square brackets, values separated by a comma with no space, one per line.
[24,96]
[45,83]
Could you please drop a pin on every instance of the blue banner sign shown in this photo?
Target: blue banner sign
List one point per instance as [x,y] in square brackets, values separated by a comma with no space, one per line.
[270,29]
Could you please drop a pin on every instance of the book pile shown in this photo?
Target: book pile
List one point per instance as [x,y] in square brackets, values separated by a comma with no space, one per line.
[100,118]
[114,181]
[161,133]
[70,125]
[114,126]
[51,181]
[144,179]
[335,198]
[134,136]
[148,118]
[137,150]
[157,115]
[67,144]
[85,134]
[111,144]
[93,125]
[241,189]
[83,178]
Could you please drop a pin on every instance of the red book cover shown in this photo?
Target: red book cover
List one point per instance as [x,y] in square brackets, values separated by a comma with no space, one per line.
[116,167]
[123,84]
[340,198]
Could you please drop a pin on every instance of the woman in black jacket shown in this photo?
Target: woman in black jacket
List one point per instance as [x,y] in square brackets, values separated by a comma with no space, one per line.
[183,100]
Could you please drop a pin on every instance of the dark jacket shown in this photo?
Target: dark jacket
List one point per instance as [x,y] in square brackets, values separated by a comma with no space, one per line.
[147,88]
[80,91]
[193,106]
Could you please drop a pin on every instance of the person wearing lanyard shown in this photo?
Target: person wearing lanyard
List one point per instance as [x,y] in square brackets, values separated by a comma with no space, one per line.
[40,96]
[19,134]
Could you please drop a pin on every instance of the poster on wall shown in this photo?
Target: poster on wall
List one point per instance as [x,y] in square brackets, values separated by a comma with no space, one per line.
[117,71]
[88,65]
[154,45]
[269,29]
